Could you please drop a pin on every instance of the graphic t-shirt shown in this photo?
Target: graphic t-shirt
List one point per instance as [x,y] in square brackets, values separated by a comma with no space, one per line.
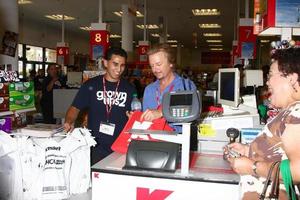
[91,96]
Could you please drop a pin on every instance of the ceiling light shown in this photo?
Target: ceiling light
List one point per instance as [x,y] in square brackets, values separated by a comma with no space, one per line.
[212,34]
[215,45]
[172,41]
[59,17]
[214,41]
[205,12]
[265,41]
[85,28]
[115,36]
[22,2]
[120,13]
[157,35]
[216,49]
[209,25]
[173,45]
[149,26]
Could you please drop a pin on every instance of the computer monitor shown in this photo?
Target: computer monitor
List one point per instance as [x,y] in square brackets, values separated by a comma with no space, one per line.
[229,87]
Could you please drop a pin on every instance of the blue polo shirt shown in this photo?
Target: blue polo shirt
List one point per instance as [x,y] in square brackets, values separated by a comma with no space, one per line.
[152,96]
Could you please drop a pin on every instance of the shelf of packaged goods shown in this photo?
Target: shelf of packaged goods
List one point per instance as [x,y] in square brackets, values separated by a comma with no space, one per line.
[5,113]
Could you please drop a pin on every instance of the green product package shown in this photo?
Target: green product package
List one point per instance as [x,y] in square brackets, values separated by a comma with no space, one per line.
[21,88]
[21,102]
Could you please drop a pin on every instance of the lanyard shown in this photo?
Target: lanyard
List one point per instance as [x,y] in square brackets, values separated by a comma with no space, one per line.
[109,104]
[158,95]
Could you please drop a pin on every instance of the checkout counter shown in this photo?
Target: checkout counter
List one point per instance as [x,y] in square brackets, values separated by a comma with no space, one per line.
[200,174]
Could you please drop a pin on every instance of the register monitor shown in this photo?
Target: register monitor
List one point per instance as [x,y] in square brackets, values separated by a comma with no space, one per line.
[229,87]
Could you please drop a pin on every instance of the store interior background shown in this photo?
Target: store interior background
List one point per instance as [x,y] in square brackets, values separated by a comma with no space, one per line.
[37,30]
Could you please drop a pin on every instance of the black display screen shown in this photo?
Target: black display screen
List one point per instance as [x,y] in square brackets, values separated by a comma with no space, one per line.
[181,100]
[227,86]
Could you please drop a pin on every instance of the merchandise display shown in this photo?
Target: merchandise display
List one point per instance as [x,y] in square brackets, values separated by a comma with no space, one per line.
[50,168]
[21,95]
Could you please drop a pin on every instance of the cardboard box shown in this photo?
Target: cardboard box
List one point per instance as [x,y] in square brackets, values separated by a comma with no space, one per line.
[4,92]
[4,104]
[21,88]
[6,124]
[21,102]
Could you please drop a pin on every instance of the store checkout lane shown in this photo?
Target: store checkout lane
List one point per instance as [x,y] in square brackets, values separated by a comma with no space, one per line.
[200,174]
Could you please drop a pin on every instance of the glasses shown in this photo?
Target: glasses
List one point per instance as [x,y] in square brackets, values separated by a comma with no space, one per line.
[270,75]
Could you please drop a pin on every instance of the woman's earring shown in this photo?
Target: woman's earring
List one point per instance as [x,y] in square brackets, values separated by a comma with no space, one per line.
[294,88]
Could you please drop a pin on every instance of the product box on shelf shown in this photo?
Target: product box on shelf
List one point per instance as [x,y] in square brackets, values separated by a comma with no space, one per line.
[4,104]
[8,76]
[20,88]
[6,124]
[4,90]
[19,121]
[21,102]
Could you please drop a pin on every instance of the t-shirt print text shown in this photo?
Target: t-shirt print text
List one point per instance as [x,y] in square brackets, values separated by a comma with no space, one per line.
[118,99]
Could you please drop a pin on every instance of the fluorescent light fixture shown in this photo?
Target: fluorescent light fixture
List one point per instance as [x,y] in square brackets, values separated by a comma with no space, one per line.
[173,45]
[22,2]
[209,25]
[149,26]
[120,13]
[213,41]
[215,45]
[115,36]
[212,34]
[59,17]
[85,28]
[265,41]
[157,35]
[172,41]
[205,12]
[216,49]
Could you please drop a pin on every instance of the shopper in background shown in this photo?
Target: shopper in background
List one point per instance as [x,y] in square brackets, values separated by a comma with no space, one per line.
[280,138]
[107,98]
[49,83]
[162,62]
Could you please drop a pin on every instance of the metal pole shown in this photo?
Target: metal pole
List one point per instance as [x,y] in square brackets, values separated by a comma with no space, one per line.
[145,20]
[63,29]
[100,11]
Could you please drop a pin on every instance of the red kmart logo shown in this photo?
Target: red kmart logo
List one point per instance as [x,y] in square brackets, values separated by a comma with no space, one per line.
[144,194]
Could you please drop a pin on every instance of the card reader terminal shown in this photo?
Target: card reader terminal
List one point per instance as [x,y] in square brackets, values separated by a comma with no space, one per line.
[181,106]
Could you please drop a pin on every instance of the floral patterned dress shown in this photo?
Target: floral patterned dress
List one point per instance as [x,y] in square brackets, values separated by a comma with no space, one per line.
[268,147]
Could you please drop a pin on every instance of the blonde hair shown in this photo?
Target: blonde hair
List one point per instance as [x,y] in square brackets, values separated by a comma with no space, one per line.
[167,49]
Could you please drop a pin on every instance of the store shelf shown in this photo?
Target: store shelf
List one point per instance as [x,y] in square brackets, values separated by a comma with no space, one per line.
[16,112]
[5,113]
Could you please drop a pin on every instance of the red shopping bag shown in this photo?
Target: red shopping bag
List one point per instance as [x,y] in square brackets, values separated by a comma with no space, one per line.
[121,143]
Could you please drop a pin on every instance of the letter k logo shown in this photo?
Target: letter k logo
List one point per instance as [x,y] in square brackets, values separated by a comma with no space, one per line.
[143,194]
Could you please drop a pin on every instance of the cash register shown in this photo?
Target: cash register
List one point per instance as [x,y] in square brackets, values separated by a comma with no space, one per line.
[178,106]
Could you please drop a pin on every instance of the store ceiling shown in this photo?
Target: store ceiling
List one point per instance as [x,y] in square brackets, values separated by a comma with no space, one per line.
[181,24]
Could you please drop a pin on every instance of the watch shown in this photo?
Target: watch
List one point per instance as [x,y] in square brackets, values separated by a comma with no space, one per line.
[254,168]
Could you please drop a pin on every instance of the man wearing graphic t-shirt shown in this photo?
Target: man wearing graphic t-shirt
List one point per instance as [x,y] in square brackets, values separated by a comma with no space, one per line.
[107,98]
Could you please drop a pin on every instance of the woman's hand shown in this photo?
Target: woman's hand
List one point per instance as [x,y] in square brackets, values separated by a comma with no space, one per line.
[241,165]
[150,115]
[242,149]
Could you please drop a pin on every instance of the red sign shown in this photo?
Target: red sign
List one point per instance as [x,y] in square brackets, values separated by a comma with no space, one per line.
[142,54]
[247,42]
[215,57]
[144,193]
[62,55]
[99,43]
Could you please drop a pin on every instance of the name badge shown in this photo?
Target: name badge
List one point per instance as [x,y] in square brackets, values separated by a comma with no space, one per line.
[107,128]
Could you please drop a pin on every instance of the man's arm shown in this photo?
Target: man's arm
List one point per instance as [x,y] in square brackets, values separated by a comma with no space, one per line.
[70,118]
